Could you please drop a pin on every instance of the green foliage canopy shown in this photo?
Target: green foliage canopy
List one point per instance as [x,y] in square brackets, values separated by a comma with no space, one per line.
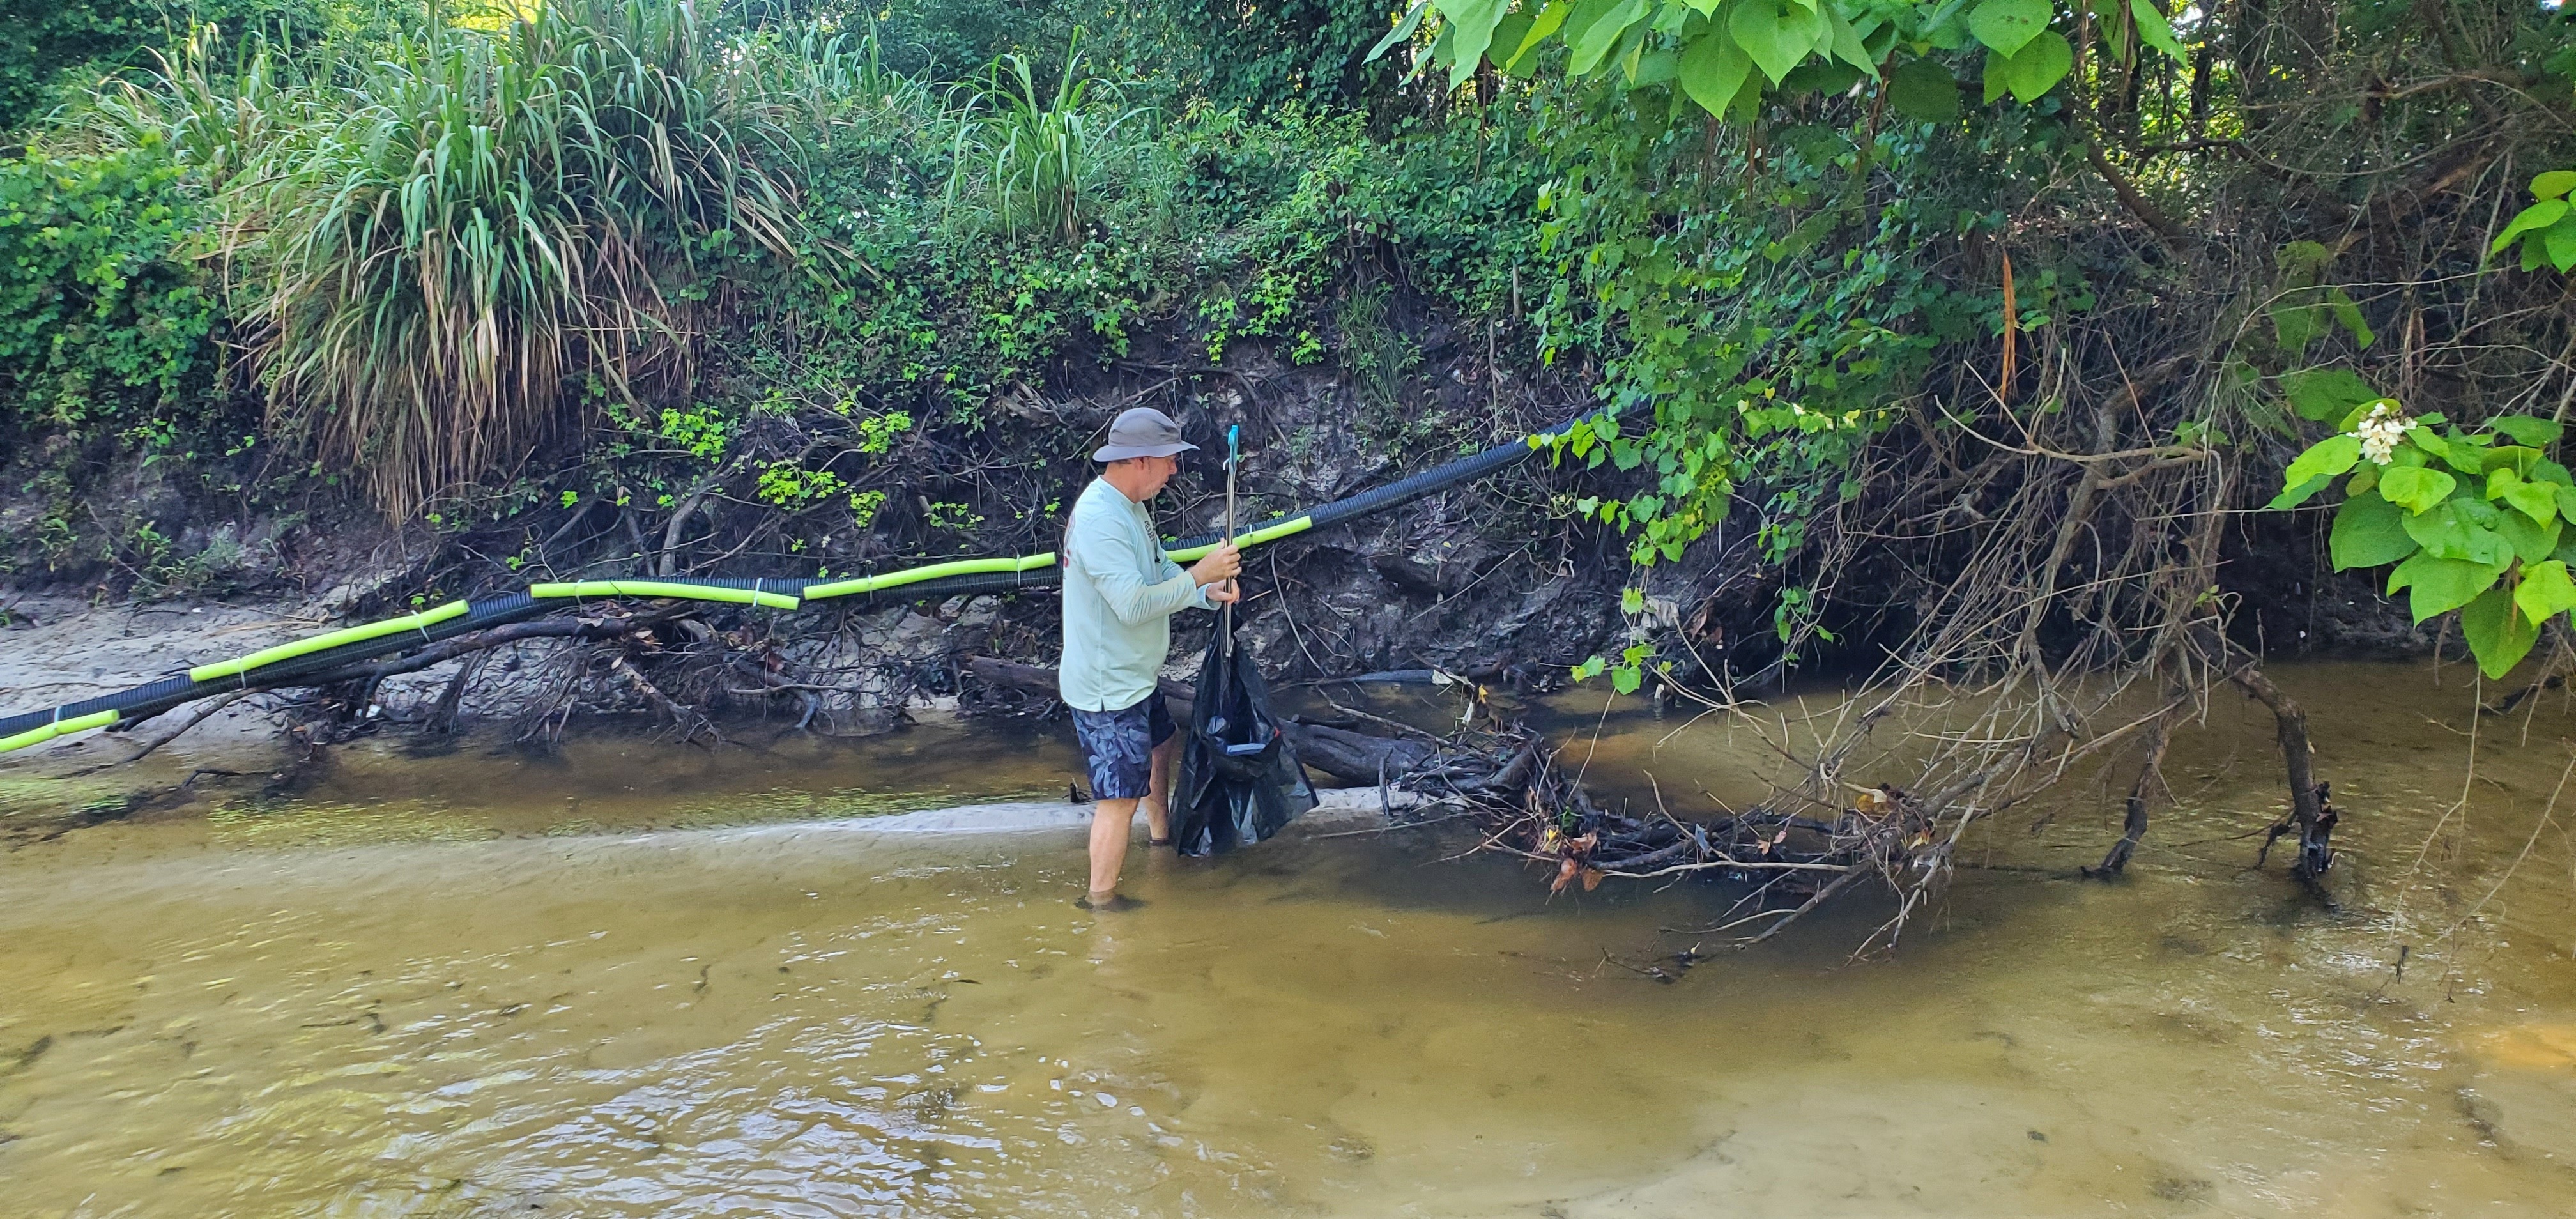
[104,317]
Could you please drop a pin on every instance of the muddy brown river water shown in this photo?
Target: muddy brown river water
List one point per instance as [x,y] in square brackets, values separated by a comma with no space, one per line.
[636,980]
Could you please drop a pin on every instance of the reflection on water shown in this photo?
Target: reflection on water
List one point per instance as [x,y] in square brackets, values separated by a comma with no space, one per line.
[479,984]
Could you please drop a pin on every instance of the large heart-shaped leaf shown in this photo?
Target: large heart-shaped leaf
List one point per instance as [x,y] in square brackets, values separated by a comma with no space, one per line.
[1924,90]
[2415,488]
[1846,41]
[2006,26]
[2465,453]
[1404,29]
[1776,34]
[2446,532]
[2294,494]
[2497,634]
[2538,433]
[1713,69]
[2325,394]
[2038,66]
[1509,34]
[1594,27]
[2545,591]
[2369,531]
[2539,501]
[2476,511]
[2154,30]
[2437,586]
[2560,243]
[1471,30]
[2531,540]
[2330,456]
[2531,219]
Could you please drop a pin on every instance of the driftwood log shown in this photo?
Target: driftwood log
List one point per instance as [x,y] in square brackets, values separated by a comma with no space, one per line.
[1348,757]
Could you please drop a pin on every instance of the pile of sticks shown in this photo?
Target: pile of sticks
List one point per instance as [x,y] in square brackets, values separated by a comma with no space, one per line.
[1527,805]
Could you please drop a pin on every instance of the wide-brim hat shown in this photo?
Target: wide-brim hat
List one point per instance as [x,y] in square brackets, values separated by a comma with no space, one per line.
[1142,432]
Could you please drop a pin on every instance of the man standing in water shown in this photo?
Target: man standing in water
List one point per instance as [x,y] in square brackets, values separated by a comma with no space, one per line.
[1120,592]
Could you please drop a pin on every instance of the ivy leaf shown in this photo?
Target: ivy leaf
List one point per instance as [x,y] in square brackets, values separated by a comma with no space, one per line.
[1713,70]
[2531,219]
[2322,394]
[2437,586]
[2006,26]
[2369,531]
[1924,90]
[2154,30]
[2545,591]
[2497,635]
[2038,66]
[2553,184]
[2413,487]
[2538,433]
[1777,35]
[1626,678]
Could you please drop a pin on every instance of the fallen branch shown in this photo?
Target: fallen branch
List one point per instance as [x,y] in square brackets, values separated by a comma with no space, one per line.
[199,715]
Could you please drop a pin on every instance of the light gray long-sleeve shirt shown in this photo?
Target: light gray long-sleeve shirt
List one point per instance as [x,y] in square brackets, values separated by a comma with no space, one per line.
[1120,593]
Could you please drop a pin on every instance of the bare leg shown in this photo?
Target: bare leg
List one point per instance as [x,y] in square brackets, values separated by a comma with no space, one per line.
[1112,821]
[1158,798]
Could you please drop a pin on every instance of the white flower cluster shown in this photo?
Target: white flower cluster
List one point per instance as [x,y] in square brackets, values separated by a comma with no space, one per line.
[2380,433]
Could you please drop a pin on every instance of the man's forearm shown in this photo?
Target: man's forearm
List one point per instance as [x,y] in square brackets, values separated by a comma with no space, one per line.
[1138,603]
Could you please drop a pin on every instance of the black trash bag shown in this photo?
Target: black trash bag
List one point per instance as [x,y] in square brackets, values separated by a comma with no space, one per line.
[1240,781]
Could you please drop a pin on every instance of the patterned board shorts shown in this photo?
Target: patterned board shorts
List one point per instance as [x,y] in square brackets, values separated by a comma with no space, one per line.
[1118,746]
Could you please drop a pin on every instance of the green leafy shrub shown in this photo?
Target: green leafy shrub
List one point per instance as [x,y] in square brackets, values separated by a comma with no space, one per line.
[1263,56]
[2546,230]
[104,319]
[2471,520]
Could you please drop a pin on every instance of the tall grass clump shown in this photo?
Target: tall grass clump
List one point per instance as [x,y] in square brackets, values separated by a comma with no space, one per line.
[429,263]
[1038,163]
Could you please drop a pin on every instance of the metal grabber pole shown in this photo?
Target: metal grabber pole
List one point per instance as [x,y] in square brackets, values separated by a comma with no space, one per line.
[1233,457]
